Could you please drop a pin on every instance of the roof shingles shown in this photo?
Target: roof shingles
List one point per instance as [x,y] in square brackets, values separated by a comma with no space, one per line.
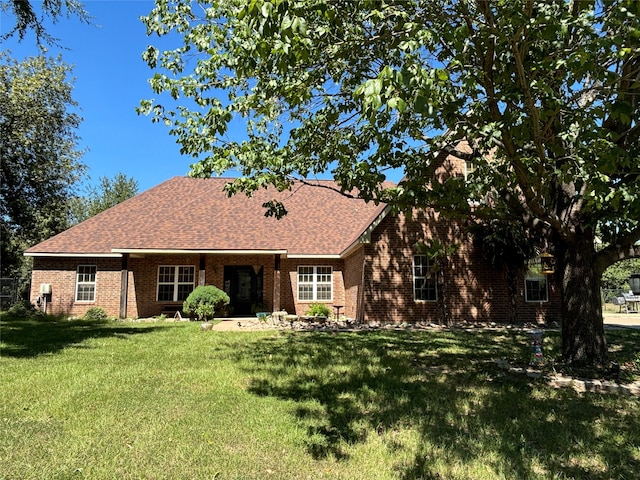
[196,214]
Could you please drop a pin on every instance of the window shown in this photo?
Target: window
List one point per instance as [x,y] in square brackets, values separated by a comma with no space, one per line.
[535,288]
[469,168]
[175,283]
[315,284]
[424,283]
[86,283]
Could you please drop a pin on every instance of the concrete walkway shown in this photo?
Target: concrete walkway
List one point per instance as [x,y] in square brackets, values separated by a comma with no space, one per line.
[622,320]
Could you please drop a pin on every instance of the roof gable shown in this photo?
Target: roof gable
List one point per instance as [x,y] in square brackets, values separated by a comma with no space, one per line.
[192,214]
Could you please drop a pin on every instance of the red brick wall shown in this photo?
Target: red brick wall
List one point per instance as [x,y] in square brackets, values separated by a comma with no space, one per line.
[142,281]
[289,284]
[353,278]
[473,289]
[61,274]
[145,271]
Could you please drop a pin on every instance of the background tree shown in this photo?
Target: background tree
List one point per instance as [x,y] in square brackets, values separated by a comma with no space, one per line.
[29,18]
[546,93]
[39,159]
[97,199]
[616,277]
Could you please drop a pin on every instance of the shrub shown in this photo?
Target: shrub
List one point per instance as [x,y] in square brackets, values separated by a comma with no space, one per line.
[23,309]
[95,314]
[205,302]
[318,310]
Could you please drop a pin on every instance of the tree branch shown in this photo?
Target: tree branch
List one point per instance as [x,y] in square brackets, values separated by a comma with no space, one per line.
[626,247]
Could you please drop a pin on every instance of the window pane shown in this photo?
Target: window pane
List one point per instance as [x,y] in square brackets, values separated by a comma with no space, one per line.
[86,273]
[166,274]
[305,292]
[315,283]
[186,274]
[86,293]
[184,291]
[536,289]
[424,287]
[165,293]
[86,283]
[324,292]
[324,278]
[430,291]
[421,265]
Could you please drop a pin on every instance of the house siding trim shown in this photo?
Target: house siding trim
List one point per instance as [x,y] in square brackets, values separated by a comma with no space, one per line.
[144,251]
[73,255]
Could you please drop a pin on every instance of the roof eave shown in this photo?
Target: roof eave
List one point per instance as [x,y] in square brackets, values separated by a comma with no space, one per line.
[302,256]
[73,254]
[173,251]
[365,237]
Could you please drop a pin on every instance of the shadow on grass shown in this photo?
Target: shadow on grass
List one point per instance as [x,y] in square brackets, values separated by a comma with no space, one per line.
[30,338]
[446,387]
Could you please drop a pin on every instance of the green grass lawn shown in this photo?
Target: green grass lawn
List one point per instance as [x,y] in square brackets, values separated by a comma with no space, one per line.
[169,401]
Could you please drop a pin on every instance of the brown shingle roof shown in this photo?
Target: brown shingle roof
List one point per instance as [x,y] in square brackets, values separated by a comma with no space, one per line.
[196,214]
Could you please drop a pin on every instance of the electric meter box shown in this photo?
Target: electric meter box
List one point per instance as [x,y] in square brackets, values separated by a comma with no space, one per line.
[45,289]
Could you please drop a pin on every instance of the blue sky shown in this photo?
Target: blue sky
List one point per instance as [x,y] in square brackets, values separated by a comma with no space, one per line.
[110,80]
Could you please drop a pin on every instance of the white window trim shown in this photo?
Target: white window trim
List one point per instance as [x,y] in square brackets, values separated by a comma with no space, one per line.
[415,277]
[85,283]
[534,277]
[314,283]
[175,282]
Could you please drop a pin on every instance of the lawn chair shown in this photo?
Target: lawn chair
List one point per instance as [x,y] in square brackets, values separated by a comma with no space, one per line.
[631,302]
[621,302]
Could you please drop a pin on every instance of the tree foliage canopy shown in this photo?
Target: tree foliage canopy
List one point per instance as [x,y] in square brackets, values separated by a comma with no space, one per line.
[546,93]
[39,159]
[547,90]
[616,277]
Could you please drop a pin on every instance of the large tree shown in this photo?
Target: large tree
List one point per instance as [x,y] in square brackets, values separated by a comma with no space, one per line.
[546,92]
[39,158]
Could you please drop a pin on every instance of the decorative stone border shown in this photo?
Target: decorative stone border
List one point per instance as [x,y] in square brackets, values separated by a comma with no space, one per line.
[580,385]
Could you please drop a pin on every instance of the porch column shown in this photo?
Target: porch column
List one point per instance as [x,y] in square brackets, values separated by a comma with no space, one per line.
[276,283]
[202,274]
[124,285]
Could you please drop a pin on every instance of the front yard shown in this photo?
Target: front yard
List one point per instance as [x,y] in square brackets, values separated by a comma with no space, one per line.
[165,401]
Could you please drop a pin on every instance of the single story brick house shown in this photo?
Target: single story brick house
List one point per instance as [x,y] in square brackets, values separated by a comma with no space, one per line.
[145,255]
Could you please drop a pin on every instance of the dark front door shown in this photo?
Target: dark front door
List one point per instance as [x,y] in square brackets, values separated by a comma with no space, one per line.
[244,287]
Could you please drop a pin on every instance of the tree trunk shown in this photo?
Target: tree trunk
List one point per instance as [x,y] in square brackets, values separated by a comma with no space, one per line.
[583,338]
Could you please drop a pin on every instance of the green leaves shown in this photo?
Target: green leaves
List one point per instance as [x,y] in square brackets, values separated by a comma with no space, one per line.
[108,193]
[39,155]
[547,91]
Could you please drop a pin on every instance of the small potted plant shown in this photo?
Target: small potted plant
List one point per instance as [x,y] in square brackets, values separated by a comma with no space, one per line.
[260,310]
[319,311]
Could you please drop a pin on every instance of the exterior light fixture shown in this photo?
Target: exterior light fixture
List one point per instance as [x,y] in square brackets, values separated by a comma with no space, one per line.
[548,263]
